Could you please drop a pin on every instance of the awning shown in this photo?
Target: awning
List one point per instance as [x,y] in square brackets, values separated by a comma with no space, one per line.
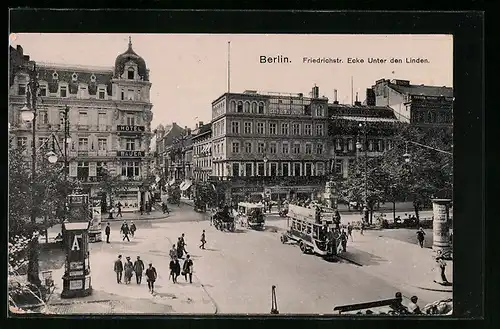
[185,185]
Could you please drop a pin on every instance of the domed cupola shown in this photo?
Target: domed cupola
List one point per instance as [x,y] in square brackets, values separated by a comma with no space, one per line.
[125,62]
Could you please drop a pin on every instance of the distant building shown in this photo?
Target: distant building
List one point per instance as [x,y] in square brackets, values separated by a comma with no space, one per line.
[270,144]
[109,116]
[419,105]
[202,151]
[166,137]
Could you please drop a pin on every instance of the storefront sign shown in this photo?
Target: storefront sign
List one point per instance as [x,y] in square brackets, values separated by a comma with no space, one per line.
[132,154]
[128,128]
[247,190]
[75,285]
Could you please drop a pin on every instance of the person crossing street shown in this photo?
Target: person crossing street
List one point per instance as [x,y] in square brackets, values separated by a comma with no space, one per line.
[421,237]
[107,231]
[133,228]
[203,240]
[125,230]
[118,268]
[187,269]
[151,276]
[138,269]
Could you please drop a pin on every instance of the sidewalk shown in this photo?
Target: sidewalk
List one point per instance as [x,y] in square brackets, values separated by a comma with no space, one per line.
[397,261]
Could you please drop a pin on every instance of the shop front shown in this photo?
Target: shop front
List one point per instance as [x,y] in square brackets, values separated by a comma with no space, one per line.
[298,192]
[249,194]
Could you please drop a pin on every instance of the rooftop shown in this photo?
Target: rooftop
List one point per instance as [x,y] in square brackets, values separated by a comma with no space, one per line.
[76,67]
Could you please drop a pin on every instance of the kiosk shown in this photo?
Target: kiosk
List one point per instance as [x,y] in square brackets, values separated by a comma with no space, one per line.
[76,279]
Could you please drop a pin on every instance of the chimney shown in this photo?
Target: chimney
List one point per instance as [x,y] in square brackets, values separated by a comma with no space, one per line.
[357,102]
[335,100]
[370,97]
[315,92]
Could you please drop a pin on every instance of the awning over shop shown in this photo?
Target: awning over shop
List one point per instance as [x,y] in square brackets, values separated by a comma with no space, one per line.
[185,185]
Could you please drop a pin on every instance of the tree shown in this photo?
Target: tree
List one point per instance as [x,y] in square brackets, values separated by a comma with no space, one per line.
[41,197]
[111,185]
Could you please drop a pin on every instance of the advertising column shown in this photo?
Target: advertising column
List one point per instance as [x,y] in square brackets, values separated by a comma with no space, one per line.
[95,229]
[440,227]
[76,279]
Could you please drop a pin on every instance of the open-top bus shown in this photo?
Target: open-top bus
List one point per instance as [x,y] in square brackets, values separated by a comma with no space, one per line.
[313,235]
[251,214]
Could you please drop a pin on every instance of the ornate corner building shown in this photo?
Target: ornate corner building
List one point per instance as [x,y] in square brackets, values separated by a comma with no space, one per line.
[109,119]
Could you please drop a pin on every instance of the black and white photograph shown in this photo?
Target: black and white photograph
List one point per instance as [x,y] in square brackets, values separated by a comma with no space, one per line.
[230,174]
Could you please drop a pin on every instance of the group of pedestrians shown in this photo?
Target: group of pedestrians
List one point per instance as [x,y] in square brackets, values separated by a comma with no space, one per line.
[125,230]
[176,253]
[136,268]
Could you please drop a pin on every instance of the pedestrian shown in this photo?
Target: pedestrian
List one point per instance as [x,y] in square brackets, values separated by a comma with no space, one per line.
[151,276]
[164,207]
[107,231]
[119,269]
[441,263]
[362,227]
[203,241]
[413,307]
[129,270]
[175,269]
[125,230]
[133,228]
[349,231]
[119,206]
[343,240]
[180,248]
[421,237]
[138,269]
[187,269]
[173,253]
[183,243]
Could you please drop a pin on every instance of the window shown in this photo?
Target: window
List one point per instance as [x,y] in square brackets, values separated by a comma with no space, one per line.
[100,165]
[131,168]
[42,118]
[21,89]
[239,107]
[248,169]
[319,130]
[130,120]
[236,169]
[101,121]
[130,94]
[272,128]
[248,147]
[236,147]
[338,169]
[235,127]
[130,144]
[285,148]
[42,91]
[22,141]
[102,93]
[350,145]
[285,169]
[370,145]
[82,118]
[254,107]
[82,170]
[131,74]
[320,169]
[83,144]
[296,148]
[273,169]
[284,128]
[261,148]
[247,107]
[307,129]
[338,144]
[308,148]
[296,128]
[123,95]
[260,128]
[261,108]
[319,111]
[388,144]
[63,91]
[260,169]
[248,127]
[102,144]
[272,148]
[296,169]
[233,106]
[308,169]
[319,148]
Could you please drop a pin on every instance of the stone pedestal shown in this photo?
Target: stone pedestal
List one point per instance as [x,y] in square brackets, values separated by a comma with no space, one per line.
[440,228]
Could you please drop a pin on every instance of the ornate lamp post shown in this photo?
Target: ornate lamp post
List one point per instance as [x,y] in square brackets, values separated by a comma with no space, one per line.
[365,196]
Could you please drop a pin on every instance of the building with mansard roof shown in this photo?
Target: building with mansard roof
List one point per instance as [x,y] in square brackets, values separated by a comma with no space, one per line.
[110,115]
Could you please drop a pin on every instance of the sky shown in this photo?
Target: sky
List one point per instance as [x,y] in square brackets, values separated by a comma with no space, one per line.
[189,71]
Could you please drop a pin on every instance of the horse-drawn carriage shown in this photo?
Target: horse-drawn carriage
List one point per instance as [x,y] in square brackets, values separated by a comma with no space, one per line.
[223,220]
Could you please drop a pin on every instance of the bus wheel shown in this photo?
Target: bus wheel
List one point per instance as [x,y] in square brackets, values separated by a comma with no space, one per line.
[283,239]
[303,247]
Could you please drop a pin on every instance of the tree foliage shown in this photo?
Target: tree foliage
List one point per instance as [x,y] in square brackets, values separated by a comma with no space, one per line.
[111,184]
[49,189]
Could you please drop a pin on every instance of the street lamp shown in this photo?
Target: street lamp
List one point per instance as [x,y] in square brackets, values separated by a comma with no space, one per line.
[406,156]
[359,146]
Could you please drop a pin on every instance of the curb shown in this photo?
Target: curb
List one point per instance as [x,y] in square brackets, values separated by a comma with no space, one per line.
[435,289]
[80,302]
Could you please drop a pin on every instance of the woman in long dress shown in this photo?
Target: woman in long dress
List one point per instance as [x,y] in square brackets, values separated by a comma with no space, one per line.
[129,270]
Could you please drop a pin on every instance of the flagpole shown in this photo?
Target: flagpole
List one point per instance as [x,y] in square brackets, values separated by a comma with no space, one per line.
[229,66]
[352,91]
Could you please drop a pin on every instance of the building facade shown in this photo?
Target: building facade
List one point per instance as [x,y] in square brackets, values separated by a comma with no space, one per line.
[419,105]
[109,120]
[272,145]
[371,126]
[202,152]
